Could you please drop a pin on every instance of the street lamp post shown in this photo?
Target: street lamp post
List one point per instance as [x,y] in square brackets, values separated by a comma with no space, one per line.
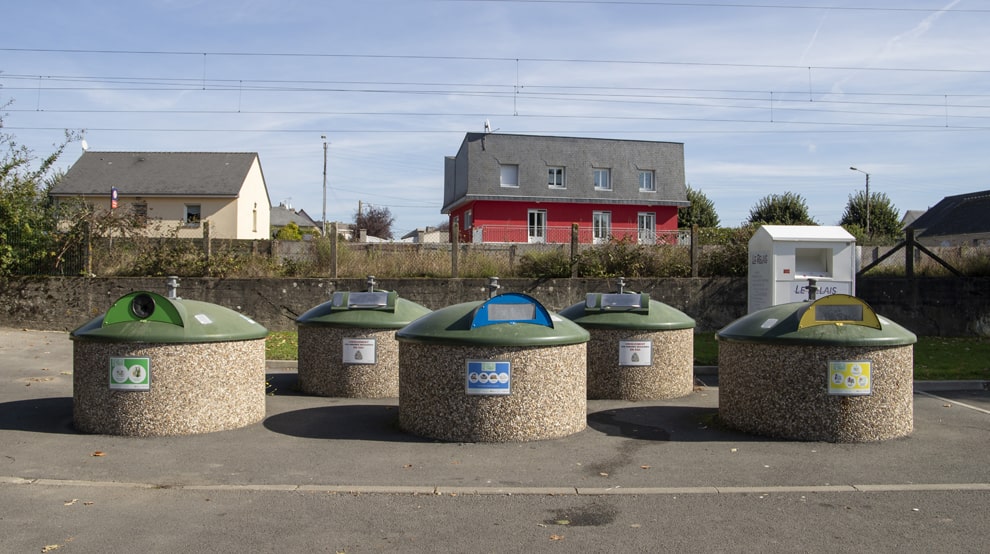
[324,137]
[867,198]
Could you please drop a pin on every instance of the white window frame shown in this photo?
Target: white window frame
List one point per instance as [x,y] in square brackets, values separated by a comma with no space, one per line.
[601,226]
[555,177]
[602,178]
[536,226]
[192,215]
[647,180]
[646,227]
[508,175]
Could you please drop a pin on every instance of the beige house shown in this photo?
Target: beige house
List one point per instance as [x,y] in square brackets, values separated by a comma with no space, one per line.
[175,192]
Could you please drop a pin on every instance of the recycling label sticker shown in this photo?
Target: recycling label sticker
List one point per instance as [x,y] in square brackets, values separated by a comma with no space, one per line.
[488,377]
[130,374]
[635,353]
[358,351]
[849,378]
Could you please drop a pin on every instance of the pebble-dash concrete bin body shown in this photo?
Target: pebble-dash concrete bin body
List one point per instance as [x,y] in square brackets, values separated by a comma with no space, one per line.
[157,366]
[347,346]
[640,349]
[829,370]
[497,371]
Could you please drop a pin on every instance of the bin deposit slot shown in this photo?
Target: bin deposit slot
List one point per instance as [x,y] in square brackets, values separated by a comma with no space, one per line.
[812,262]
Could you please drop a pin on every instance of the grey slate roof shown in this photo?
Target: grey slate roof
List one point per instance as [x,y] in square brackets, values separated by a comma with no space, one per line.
[473,174]
[956,215]
[157,174]
[281,216]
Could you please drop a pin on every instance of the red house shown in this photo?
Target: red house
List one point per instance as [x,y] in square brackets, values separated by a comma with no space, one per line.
[531,189]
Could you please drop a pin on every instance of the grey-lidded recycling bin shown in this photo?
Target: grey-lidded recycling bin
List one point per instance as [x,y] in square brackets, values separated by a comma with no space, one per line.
[640,349]
[829,370]
[158,366]
[347,346]
[496,371]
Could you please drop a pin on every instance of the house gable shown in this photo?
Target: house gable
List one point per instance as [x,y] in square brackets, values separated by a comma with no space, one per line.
[955,220]
[227,189]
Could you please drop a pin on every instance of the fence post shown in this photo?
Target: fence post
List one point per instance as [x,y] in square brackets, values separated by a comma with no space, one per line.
[695,258]
[574,250]
[89,249]
[333,250]
[455,238]
[909,253]
[207,245]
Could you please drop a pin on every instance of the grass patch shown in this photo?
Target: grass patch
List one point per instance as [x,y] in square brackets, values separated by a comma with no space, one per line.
[935,358]
[282,345]
[949,358]
[705,349]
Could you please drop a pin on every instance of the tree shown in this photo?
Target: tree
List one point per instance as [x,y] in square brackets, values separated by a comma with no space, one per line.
[290,231]
[780,209]
[885,221]
[376,220]
[27,216]
[701,212]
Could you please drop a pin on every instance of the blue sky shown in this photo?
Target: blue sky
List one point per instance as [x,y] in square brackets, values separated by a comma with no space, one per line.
[768,97]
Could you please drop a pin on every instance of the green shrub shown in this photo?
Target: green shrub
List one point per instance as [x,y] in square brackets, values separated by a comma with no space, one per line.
[544,264]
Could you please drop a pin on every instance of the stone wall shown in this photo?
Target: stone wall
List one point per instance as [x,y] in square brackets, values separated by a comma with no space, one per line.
[936,306]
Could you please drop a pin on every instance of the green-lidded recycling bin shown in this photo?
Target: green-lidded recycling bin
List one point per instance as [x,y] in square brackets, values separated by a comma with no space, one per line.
[158,366]
[828,370]
[347,346]
[640,349]
[501,370]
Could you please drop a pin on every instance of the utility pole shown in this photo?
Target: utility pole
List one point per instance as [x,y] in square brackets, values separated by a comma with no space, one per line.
[867,198]
[324,137]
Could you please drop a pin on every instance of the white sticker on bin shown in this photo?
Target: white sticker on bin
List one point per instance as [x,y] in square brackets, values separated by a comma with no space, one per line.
[203,318]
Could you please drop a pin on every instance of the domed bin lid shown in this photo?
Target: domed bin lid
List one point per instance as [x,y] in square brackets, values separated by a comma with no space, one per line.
[626,310]
[148,317]
[834,320]
[368,310]
[510,319]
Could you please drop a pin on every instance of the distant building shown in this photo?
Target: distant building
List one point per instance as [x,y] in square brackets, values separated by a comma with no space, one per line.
[959,220]
[426,235]
[175,192]
[283,214]
[531,189]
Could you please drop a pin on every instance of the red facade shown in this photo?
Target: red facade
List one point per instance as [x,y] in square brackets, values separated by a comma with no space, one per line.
[512,221]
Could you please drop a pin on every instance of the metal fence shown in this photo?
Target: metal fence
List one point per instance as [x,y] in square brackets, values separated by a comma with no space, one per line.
[699,253]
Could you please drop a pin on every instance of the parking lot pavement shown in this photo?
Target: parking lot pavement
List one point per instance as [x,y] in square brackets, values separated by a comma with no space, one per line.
[332,474]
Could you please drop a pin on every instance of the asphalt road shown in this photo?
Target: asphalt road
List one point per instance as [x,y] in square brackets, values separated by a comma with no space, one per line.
[337,475]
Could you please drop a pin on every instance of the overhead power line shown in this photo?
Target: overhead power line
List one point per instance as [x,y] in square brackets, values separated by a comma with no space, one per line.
[490,58]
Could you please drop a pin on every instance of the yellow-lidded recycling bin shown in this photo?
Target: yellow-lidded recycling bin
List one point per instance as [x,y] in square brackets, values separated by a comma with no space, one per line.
[829,370]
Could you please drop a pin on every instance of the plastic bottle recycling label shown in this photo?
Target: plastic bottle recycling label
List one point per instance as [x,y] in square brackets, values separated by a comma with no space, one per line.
[849,378]
[635,352]
[130,374]
[358,351]
[488,377]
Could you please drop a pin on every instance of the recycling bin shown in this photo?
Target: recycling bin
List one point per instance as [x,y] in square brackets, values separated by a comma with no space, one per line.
[828,370]
[347,346]
[640,349]
[160,366]
[501,370]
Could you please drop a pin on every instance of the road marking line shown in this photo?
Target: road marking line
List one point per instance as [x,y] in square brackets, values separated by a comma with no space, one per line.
[509,491]
[956,402]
